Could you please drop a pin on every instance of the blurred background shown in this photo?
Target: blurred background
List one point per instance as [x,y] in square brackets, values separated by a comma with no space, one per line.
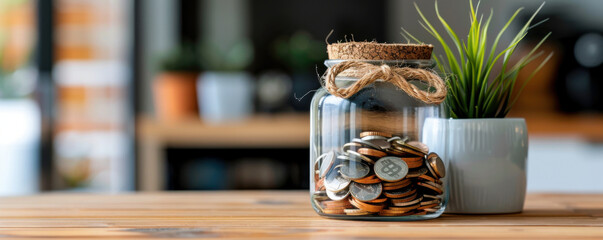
[124,95]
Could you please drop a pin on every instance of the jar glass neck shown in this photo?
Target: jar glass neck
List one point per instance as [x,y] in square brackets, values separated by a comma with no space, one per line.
[414,63]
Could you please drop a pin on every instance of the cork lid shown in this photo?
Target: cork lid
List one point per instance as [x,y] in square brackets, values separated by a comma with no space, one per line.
[378,51]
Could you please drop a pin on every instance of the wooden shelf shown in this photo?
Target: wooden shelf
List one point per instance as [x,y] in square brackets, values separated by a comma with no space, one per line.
[283,131]
[552,124]
[260,131]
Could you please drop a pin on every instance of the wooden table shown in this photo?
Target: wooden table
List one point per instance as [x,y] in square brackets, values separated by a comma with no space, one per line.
[275,215]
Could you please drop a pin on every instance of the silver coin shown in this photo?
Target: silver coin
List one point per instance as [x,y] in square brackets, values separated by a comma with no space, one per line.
[350,146]
[336,196]
[353,154]
[335,182]
[379,141]
[327,162]
[397,138]
[349,158]
[354,170]
[366,143]
[391,169]
[366,192]
[416,172]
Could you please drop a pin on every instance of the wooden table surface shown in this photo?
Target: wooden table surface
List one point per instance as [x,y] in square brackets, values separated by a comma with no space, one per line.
[275,215]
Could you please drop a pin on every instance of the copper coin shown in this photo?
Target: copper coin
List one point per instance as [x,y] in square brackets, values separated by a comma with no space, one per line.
[333,211]
[375,133]
[428,178]
[365,192]
[401,182]
[424,203]
[371,152]
[405,199]
[419,146]
[366,206]
[356,212]
[409,203]
[432,197]
[368,180]
[428,206]
[437,165]
[394,213]
[405,208]
[430,187]
[416,172]
[400,193]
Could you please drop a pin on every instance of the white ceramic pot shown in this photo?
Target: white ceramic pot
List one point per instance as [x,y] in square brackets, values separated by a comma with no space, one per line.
[225,96]
[486,163]
[19,146]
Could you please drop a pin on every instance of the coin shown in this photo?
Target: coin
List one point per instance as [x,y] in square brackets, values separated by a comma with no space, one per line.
[368,180]
[409,203]
[353,154]
[365,192]
[378,141]
[424,203]
[336,196]
[351,146]
[391,169]
[419,146]
[369,207]
[437,165]
[400,193]
[354,170]
[402,146]
[371,152]
[432,196]
[416,172]
[327,163]
[356,212]
[366,143]
[429,187]
[335,182]
[375,133]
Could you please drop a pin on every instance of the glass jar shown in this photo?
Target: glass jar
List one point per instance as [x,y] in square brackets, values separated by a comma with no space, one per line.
[370,157]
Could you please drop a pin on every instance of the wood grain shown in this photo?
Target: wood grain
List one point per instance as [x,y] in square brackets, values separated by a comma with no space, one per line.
[275,215]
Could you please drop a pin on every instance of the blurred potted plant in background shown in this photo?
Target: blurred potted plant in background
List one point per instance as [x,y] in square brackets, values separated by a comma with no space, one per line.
[225,88]
[174,85]
[487,152]
[299,53]
[20,118]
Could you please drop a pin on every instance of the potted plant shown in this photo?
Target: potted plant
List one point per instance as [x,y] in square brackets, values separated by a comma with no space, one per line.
[225,89]
[174,86]
[486,152]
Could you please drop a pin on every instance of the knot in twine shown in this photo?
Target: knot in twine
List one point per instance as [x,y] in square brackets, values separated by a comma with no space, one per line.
[369,73]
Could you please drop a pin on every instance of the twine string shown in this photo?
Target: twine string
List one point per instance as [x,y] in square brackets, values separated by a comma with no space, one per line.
[369,73]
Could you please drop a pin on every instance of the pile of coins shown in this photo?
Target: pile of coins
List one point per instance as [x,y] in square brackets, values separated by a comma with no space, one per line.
[379,174]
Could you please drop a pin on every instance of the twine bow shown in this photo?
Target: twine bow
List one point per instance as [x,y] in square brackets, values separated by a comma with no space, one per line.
[369,73]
